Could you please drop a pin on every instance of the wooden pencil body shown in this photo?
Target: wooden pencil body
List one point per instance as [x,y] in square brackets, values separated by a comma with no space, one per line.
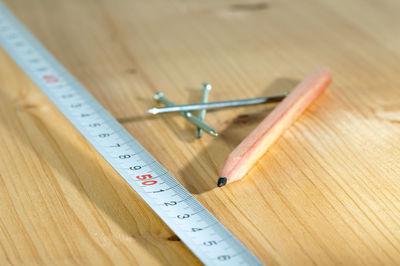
[246,154]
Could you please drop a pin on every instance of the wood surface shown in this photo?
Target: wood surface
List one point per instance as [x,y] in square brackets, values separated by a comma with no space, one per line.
[242,159]
[328,192]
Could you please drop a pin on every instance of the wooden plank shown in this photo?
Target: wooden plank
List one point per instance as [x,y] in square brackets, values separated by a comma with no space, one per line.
[326,192]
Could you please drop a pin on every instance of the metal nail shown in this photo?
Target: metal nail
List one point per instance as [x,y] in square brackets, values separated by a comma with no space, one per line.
[206,87]
[159,96]
[213,105]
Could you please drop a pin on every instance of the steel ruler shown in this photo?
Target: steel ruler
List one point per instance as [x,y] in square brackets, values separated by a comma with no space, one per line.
[202,233]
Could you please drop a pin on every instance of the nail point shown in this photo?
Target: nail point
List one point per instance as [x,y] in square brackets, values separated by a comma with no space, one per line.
[152,111]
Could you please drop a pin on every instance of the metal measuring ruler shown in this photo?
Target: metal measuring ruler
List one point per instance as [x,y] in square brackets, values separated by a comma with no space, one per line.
[205,236]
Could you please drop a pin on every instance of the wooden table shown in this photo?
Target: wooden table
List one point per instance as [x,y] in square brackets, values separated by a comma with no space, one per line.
[328,192]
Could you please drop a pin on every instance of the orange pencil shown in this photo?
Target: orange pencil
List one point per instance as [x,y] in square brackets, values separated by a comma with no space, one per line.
[244,156]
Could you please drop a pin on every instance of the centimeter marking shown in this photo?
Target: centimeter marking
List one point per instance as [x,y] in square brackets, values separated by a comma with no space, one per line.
[205,236]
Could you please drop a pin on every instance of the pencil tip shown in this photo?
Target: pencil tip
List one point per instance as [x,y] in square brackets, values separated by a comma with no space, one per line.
[222,181]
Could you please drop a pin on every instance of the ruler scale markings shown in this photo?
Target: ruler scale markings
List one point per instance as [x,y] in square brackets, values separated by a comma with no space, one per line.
[140,170]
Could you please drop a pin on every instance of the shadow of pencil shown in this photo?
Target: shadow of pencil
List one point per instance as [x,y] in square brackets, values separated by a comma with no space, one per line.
[201,174]
[111,195]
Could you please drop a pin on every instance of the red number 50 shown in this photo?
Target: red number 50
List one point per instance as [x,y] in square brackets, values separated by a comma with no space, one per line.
[147,182]
[50,79]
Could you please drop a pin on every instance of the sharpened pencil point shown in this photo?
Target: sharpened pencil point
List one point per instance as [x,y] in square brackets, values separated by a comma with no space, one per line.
[222,181]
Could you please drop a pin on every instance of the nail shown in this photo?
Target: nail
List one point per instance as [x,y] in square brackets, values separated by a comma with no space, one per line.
[206,87]
[159,96]
[214,105]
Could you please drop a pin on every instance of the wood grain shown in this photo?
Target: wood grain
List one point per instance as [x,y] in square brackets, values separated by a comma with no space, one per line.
[326,193]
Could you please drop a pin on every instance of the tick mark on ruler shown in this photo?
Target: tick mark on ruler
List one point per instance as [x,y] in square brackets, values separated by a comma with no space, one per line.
[34,61]
[19,44]
[243,251]
[224,239]
[197,212]
[162,190]
[158,191]
[185,198]
[42,69]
